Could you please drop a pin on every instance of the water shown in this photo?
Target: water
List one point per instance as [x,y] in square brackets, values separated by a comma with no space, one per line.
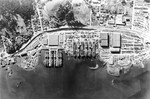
[74,81]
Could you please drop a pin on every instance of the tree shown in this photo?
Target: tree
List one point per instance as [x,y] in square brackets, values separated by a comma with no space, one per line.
[65,14]
[148,1]
[9,9]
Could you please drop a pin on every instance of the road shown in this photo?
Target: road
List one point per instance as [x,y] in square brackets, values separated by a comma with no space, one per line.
[63,29]
[49,31]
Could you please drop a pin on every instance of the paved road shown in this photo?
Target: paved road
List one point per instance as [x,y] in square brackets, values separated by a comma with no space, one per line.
[49,31]
[61,29]
[74,81]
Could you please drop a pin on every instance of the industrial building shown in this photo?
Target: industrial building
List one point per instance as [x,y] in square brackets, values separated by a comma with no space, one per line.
[104,40]
[53,40]
[115,41]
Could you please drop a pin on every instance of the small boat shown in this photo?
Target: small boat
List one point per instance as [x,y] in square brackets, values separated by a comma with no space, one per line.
[94,68]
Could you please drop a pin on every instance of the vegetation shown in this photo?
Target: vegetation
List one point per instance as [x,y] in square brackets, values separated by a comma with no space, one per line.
[12,10]
[65,16]
[9,11]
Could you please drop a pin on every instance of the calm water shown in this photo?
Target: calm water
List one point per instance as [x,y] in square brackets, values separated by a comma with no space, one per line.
[74,81]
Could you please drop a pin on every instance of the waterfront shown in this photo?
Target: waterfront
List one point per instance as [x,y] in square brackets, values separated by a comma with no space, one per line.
[74,81]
